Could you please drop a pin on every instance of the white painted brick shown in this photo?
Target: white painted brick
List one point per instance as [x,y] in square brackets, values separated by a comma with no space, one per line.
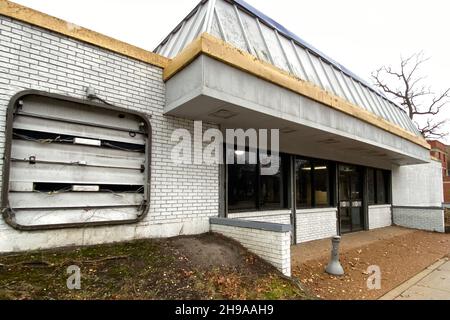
[274,247]
[419,218]
[316,224]
[54,63]
[380,216]
[276,216]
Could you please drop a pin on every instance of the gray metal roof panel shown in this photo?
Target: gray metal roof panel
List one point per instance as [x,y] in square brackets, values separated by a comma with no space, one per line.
[247,28]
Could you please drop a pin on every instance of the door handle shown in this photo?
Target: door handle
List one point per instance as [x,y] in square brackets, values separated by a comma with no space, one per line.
[345,204]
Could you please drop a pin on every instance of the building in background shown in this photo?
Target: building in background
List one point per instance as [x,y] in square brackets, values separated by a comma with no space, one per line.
[440,152]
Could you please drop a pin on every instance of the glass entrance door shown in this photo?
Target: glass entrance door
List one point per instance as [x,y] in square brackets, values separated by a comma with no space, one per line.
[351,215]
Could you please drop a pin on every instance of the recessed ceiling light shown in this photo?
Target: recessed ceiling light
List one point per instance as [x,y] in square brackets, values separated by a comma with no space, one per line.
[223,114]
[356,149]
[287,130]
[329,141]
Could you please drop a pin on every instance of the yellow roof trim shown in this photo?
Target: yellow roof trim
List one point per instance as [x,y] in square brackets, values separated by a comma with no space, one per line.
[222,51]
[39,19]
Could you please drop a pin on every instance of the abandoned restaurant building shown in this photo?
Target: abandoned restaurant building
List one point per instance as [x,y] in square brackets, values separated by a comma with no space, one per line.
[87,120]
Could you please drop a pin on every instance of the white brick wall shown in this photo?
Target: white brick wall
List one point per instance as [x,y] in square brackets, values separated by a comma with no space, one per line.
[278,216]
[380,216]
[418,185]
[420,218]
[273,247]
[183,197]
[417,195]
[316,224]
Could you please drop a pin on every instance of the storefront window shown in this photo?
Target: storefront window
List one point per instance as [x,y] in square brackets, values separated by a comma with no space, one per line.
[378,186]
[271,189]
[304,185]
[313,183]
[381,187]
[371,184]
[249,190]
[321,184]
[242,184]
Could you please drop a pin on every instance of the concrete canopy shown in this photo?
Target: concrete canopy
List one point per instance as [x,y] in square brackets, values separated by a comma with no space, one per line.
[214,92]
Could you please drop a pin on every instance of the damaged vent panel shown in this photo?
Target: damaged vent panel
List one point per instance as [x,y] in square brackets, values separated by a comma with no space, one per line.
[73,163]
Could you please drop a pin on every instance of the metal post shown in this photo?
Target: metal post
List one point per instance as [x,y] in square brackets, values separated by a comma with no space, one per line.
[293,199]
[334,267]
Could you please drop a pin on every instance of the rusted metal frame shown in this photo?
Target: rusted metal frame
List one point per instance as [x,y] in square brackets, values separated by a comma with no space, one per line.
[8,213]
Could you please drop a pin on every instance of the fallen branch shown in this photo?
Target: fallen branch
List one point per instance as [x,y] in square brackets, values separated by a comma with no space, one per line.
[47,264]
[100,260]
[27,264]
[106,259]
[297,283]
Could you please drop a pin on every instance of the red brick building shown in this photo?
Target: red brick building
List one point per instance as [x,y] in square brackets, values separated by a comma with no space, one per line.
[440,152]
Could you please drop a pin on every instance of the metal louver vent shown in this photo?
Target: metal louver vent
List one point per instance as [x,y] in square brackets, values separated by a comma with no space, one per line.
[73,163]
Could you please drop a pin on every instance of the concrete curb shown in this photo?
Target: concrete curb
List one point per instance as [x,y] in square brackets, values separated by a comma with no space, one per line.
[392,295]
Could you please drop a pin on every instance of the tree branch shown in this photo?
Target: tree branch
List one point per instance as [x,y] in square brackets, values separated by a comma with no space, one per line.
[404,86]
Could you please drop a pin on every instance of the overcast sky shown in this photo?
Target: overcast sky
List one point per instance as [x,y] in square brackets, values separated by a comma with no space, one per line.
[360,34]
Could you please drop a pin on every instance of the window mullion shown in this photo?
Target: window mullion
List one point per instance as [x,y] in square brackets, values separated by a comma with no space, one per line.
[258,182]
[375,183]
[313,184]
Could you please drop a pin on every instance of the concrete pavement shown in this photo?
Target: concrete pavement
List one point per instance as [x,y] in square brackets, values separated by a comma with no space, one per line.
[431,284]
[305,252]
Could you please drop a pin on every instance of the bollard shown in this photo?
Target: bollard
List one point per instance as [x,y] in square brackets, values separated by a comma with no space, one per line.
[334,267]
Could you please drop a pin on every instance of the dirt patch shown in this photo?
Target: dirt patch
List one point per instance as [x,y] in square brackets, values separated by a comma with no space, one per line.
[204,267]
[399,258]
[208,251]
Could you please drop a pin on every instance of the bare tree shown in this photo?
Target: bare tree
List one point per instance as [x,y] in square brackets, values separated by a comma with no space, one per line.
[405,85]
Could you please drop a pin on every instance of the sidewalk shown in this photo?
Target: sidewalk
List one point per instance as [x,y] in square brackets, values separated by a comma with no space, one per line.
[400,253]
[305,252]
[431,284]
